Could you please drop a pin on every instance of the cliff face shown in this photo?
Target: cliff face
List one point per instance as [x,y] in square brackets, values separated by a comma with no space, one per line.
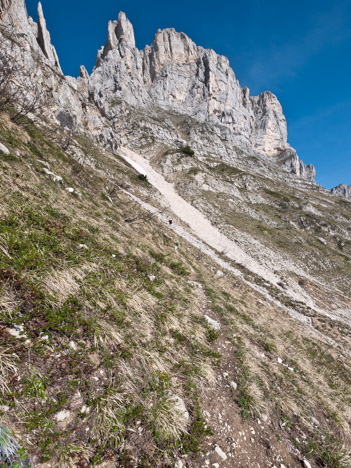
[343,191]
[172,75]
[175,74]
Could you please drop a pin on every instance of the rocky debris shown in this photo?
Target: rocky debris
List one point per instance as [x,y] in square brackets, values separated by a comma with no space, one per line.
[4,149]
[220,452]
[315,421]
[233,385]
[215,325]
[55,177]
[73,345]
[77,402]
[64,418]
[62,415]
[306,464]
[343,191]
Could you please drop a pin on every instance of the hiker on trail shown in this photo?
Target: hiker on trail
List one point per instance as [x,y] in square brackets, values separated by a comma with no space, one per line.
[170,222]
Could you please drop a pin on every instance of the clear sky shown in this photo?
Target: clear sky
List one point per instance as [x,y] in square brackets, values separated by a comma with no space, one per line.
[300,50]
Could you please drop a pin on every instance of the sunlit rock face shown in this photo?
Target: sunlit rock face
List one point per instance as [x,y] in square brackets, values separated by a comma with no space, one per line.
[292,163]
[173,74]
[177,75]
[342,190]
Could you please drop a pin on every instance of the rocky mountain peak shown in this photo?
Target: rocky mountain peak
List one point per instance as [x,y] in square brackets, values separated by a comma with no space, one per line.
[175,74]
[171,47]
[125,30]
[342,190]
[118,32]
[44,39]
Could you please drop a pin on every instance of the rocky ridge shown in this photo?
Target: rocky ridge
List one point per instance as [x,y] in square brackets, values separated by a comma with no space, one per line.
[173,74]
[342,190]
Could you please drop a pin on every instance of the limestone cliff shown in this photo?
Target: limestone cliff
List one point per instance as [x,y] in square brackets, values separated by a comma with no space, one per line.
[175,74]
[172,75]
[343,191]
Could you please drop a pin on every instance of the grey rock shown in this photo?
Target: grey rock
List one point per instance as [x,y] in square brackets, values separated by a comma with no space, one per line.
[212,323]
[4,149]
[233,385]
[175,74]
[124,30]
[44,40]
[291,162]
[343,191]
[180,407]
[220,452]
[14,13]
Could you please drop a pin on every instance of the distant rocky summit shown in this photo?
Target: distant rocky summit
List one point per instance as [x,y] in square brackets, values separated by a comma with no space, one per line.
[342,190]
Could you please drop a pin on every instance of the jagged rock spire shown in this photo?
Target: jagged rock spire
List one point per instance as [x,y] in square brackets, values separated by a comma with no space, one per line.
[44,39]
[342,190]
[14,13]
[119,32]
[124,30]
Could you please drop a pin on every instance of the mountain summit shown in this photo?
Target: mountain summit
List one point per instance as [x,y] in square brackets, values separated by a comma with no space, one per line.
[177,75]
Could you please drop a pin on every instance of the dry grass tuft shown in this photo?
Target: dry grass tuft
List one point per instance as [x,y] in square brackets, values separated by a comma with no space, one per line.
[8,368]
[106,336]
[66,283]
[8,304]
[169,416]
[108,418]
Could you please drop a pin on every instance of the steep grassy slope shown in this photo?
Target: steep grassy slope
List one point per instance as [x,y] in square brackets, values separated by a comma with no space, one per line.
[107,358]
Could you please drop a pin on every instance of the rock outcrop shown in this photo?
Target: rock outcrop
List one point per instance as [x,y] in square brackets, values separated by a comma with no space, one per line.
[291,162]
[14,14]
[175,74]
[44,40]
[343,191]
[172,75]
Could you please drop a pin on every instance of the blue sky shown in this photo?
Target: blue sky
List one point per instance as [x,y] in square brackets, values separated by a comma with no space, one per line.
[299,50]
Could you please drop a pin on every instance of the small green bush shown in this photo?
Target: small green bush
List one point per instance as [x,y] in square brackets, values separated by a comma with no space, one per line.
[187,150]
